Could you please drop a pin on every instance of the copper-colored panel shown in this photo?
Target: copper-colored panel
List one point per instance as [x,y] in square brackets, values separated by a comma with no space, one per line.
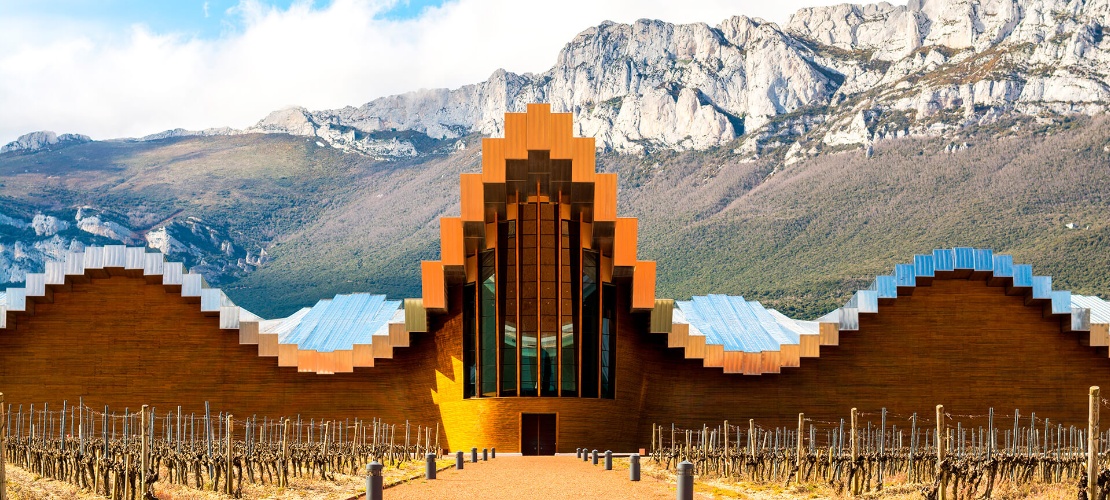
[624,242]
[432,285]
[473,203]
[695,347]
[539,127]
[363,355]
[451,249]
[605,197]
[248,332]
[1099,335]
[734,361]
[606,269]
[810,346]
[678,335]
[493,160]
[751,363]
[714,356]
[562,130]
[344,361]
[287,354]
[770,362]
[585,152]
[491,235]
[643,286]
[382,347]
[587,235]
[268,345]
[306,360]
[398,336]
[790,355]
[830,333]
[516,128]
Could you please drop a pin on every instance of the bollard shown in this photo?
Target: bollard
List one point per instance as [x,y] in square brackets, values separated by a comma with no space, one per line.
[634,467]
[485,454]
[458,460]
[578,453]
[493,452]
[374,481]
[608,460]
[430,466]
[595,456]
[685,481]
[585,455]
[474,455]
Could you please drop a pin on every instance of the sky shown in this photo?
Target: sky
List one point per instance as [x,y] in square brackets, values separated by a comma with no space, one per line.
[128,68]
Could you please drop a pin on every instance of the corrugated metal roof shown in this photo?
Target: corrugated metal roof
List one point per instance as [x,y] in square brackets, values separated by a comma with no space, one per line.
[340,322]
[949,260]
[1100,309]
[738,324]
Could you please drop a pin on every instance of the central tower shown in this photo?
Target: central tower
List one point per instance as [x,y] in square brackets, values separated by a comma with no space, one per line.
[538,252]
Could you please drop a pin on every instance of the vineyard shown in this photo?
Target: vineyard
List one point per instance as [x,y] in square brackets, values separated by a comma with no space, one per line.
[122,455]
[973,455]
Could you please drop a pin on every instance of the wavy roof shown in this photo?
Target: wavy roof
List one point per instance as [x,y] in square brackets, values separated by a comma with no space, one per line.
[742,336]
[335,335]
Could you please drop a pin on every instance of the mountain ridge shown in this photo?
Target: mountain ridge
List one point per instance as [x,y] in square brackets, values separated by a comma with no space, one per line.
[761,159]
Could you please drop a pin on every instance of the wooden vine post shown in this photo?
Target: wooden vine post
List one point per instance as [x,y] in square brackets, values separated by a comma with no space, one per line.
[227,458]
[939,438]
[798,464]
[1092,443]
[142,451]
[283,475]
[854,475]
[751,438]
[3,448]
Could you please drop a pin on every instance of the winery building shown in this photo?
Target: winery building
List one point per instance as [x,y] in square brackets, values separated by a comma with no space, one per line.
[540,330]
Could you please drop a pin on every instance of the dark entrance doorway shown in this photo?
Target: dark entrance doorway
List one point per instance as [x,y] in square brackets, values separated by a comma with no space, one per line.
[537,433]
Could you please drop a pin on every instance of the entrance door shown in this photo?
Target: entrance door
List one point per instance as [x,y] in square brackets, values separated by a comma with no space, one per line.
[537,434]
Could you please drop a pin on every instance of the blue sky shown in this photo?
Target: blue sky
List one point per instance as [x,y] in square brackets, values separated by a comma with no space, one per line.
[203,19]
[127,68]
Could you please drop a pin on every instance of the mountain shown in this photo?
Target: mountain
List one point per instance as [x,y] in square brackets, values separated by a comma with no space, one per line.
[35,141]
[832,76]
[787,163]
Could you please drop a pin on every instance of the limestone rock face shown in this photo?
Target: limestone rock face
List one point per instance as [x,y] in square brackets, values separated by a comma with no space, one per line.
[856,72]
[43,139]
[834,75]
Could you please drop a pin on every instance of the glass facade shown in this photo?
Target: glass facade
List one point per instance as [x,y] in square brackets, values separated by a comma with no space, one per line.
[539,318]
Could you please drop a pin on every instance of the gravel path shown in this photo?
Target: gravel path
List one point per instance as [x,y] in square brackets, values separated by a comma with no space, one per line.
[508,477]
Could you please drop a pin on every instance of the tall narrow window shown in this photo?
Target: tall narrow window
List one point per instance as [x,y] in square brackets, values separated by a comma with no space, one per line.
[568,298]
[591,321]
[549,301]
[469,341]
[508,285]
[608,339]
[487,279]
[529,300]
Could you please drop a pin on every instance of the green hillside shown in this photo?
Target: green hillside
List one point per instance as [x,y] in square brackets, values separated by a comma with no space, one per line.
[801,239]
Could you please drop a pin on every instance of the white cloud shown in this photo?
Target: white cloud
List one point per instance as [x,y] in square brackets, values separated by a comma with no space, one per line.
[72,76]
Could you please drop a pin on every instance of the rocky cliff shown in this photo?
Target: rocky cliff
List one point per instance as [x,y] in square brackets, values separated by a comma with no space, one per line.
[843,75]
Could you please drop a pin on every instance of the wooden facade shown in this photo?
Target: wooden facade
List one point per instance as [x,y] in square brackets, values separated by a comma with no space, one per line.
[958,342]
[140,331]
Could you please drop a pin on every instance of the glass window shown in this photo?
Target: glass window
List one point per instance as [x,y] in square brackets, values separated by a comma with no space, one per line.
[469,345]
[591,321]
[488,290]
[608,339]
[508,299]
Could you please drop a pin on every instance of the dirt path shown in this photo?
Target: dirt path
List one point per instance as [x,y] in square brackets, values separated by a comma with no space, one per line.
[509,477]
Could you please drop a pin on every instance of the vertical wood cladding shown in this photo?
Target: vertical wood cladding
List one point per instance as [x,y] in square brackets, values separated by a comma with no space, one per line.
[960,343]
[122,342]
